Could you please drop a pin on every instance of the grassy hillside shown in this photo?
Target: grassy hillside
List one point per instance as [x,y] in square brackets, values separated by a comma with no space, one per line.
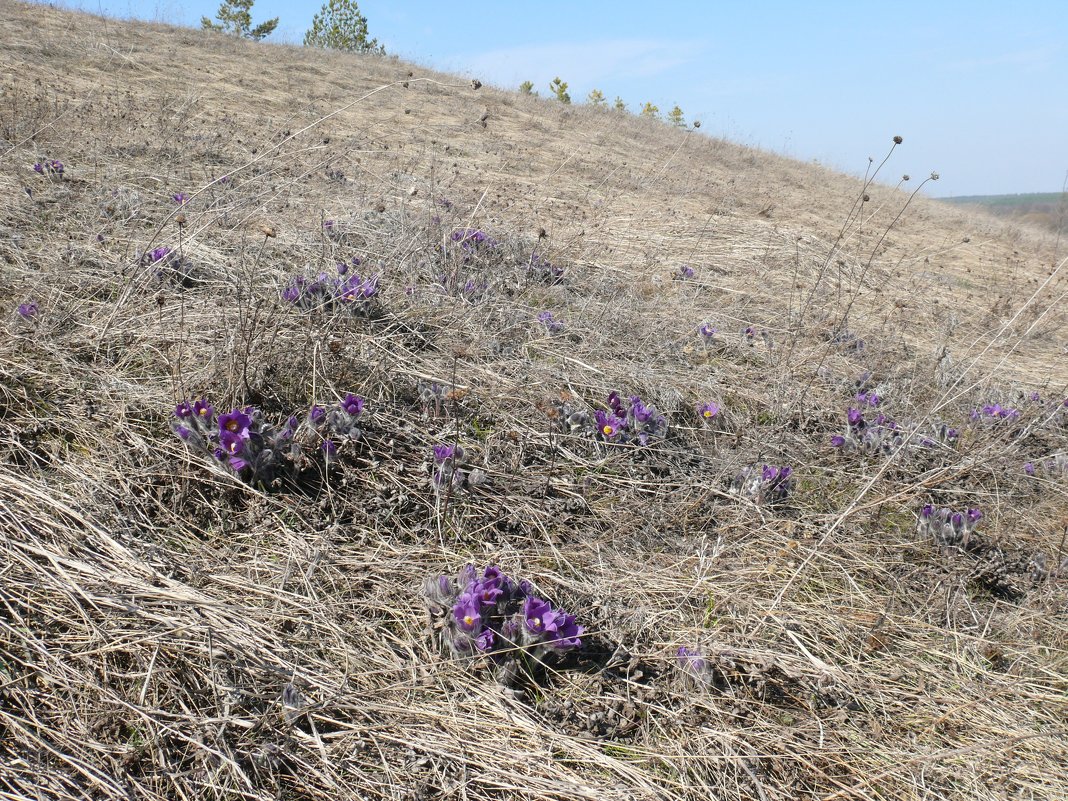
[430,320]
[1041,209]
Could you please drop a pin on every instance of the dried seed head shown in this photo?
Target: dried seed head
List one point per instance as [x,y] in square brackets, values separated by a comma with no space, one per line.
[268,231]
[898,140]
[476,84]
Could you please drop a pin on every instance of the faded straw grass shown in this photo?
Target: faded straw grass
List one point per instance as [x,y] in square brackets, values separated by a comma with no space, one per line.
[169,632]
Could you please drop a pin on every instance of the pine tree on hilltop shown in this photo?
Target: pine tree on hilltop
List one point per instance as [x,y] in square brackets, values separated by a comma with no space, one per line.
[339,25]
[235,18]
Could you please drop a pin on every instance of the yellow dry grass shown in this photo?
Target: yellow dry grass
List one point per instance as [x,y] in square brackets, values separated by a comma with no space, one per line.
[168,632]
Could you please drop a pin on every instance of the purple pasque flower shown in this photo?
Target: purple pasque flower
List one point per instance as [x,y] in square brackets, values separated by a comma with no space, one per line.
[180,198]
[291,294]
[28,310]
[855,418]
[316,414]
[203,410]
[183,410]
[609,425]
[444,452]
[748,335]
[686,271]
[639,411]
[837,441]
[1029,468]
[708,410]
[353,405]
[691,660]
[568,632]
[233,446]
[183,432]
[329,448]
[157,254]
[485,641]
[707,331]
[868,398]
[235,422]
[539,616]
[467,612]
[974,515]
[551,325]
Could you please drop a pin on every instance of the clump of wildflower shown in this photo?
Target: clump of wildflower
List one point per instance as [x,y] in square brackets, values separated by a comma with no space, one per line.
[169,266]
[489,619]
[707,332]
[259,451]
[881,435]
[239,439]
[749,335]
[1053,468]
[50,168]
[763,484]
[447,472]
[28,310]
[947,527]
[472,240]
[346,290]
[684,273]
[630,422]
[544,271]
[868,398]
[552,325]
[181,198]
[693,665]
[993,413]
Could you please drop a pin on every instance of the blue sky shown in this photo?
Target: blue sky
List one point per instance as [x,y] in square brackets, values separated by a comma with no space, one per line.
[978,90]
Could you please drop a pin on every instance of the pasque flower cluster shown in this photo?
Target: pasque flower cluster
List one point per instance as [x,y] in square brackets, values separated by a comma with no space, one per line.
[486,613]
[259,451]
[345,291]
[764,484]
[945,526]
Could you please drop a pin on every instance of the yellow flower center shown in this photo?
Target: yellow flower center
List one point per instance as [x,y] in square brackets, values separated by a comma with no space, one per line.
[468,620]
[607,431]
[708,412]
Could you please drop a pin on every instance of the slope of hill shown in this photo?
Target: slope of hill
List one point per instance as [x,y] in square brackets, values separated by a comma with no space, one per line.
[218,603]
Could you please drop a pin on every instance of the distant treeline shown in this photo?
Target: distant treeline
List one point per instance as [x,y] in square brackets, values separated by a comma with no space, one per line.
[1046,209]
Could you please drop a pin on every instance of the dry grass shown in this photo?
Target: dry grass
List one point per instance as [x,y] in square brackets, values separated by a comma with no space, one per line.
[168,632]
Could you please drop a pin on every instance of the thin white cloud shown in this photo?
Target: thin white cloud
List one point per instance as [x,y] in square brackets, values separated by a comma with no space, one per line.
[1038,58]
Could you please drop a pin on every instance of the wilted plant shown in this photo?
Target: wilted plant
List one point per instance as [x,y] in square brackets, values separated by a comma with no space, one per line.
[490,620]
[170,266]
[544,271]
[763,484]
